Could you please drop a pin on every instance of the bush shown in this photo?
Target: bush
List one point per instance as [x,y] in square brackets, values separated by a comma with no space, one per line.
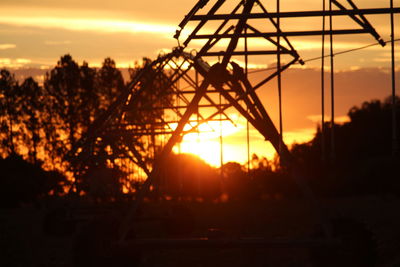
[23,182]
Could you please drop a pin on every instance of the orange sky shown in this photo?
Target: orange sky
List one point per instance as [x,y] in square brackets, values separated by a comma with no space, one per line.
[301,111]
[36,33]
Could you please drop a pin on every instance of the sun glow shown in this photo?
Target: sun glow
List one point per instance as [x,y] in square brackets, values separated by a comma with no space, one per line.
[206,142]
[225,141]
[220,142]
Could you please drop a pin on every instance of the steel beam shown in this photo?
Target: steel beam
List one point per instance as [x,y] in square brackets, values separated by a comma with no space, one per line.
[298,14]
[247,7]
[242,53]
[211,77]
[274,34]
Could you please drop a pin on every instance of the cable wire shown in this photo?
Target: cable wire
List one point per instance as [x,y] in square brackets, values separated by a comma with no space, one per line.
[320,57]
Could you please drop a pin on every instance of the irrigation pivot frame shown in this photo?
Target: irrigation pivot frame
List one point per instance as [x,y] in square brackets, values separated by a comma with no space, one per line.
[221,43]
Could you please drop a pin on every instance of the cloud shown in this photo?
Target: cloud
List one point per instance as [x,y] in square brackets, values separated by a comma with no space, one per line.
[172,11]
[14,63]
[338,119]
[7,46]
[23,61]
[5,61]
[386,57]
[89,24]
[57,42]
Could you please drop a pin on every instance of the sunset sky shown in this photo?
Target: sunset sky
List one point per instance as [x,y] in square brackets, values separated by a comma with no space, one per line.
[36,33]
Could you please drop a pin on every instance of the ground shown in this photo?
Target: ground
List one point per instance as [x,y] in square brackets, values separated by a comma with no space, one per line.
[24,243]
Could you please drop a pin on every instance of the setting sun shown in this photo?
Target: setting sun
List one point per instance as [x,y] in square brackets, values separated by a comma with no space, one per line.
[206,142]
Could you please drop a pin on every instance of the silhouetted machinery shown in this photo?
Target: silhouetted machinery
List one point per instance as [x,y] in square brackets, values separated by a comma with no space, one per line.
[225,33]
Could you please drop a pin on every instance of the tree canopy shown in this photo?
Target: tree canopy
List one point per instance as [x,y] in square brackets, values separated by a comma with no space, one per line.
[43,122]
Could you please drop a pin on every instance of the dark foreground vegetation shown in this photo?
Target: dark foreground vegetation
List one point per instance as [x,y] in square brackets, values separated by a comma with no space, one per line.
[39,124]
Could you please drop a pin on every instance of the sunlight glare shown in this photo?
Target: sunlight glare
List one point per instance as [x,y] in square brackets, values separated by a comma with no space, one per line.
[205,142]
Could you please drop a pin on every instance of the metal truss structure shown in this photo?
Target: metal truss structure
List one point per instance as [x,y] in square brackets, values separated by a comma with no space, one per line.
[189,89]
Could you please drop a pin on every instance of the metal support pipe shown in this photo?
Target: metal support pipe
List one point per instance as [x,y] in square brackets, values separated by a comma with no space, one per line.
[279,77]
[221,144]
[201,24]
[248,5]
[298,14]
[362,21]
[244,53]
[176,136]
[394,104]
[276,26]
[274,74]
[246,58]
[274,34]
[200,4]
[332,87]
[323,87]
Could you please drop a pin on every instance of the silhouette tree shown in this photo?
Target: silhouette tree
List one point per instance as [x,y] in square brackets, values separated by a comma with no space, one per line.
[90,95]
[236,182]
[24,182]
[102,177]
[363,148]
[103,183]
[78,94]
[67,102]
[10,98]
[268,179]
[109,82]
[52,118]
[366,135]
[32,108]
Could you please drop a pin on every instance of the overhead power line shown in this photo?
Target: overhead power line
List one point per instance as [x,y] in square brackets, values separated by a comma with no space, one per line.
[335,54]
